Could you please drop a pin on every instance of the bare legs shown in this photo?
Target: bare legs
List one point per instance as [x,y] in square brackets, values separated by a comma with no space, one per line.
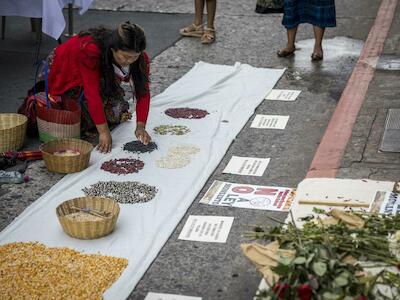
[207,34]
[211,9]
[290,45]
[198,11]
[318,35]
[317,54]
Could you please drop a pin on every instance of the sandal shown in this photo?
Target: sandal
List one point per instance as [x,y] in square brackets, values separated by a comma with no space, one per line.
[285,53]
[209,36]
[192,31]
[317,56]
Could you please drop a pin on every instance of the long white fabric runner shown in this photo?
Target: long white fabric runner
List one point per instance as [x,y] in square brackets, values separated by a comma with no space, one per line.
[230,94]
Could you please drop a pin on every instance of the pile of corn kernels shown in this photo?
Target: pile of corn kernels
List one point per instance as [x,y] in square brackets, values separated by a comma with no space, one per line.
[34,271]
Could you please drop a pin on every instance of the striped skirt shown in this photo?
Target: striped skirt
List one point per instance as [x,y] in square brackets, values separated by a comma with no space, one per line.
[319,13]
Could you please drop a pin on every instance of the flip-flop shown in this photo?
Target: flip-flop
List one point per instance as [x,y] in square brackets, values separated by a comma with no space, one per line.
[192,31]
[317,57]
[285,53]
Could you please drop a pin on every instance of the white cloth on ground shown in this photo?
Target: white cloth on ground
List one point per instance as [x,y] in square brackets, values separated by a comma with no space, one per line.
[230,94]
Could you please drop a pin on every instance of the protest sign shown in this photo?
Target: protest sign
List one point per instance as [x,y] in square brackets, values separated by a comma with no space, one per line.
[206,229]
[269,122]
[283,95]
[249,196]
[252,166]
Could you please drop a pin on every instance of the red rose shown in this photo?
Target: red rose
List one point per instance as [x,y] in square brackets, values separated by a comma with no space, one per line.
[304,291]
[280,289]
[362,297]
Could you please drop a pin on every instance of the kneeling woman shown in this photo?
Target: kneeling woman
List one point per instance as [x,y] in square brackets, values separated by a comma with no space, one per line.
[96,62]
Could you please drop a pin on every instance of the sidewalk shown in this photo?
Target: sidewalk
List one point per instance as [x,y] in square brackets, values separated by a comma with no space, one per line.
[220,271]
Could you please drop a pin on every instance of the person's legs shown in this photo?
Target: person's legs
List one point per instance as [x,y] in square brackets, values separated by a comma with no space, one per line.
[290,45]
[211,9]
[195,29]
[209,31]
[318,53]
[198,12]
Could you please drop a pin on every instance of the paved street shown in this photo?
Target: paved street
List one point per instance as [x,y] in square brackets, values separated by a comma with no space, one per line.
[220,271]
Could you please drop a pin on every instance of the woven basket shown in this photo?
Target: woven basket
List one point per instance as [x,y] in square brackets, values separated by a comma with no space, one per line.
[12,131]
[87,230]
[66,164]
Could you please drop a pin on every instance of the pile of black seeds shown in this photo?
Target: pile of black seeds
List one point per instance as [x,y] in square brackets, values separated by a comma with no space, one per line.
[123,166]
[126,192]
[186,113]
[139,147]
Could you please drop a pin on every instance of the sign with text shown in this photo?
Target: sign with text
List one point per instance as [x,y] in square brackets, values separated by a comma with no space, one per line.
[206,229]
[283,95]
[251,166]
[161,296]
[270,122]
[249,196]
[391,204]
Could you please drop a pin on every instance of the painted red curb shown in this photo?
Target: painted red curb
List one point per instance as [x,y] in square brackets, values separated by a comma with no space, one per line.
[330,151]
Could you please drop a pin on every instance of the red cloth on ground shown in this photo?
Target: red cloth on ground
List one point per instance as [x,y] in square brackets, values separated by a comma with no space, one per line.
[77,63]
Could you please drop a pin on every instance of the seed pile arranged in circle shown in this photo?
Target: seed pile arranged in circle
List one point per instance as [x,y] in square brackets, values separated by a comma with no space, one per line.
[171,129]
[177,157]
[123,166]
[126,192]
[139,147]
[186,113]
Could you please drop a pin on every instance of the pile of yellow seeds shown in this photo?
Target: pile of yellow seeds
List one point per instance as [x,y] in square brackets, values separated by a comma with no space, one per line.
[34,271]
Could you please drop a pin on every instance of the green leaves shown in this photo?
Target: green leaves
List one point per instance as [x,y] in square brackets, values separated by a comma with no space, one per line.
[319,268]
[299,260]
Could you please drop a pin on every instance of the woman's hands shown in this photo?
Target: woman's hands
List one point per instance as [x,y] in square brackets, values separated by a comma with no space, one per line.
[141,133]
[105,139]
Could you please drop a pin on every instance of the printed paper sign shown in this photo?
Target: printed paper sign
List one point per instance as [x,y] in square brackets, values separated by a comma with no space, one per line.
[252,166]
[283,95]
[269,122]
[206,229]
[160,296]
[249,196]
[391,204]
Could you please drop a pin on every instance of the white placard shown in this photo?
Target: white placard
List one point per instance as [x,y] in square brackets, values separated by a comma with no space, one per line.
[270,122]
[391,204]
[249,196]
[206,229]
[161,296]
[283,95]
[251,166]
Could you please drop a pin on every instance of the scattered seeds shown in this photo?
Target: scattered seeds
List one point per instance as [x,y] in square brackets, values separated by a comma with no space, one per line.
[126,192]
[173,162]
[123,166]
[186,113]
[171,129]
[177,157]
[183,150]
[34,271]
[139,147]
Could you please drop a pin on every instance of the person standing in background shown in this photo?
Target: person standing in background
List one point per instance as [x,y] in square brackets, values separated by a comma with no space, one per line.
[319,13]
[207,34]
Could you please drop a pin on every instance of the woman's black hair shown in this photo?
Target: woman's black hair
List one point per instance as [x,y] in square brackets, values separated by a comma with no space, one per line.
[127,37]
